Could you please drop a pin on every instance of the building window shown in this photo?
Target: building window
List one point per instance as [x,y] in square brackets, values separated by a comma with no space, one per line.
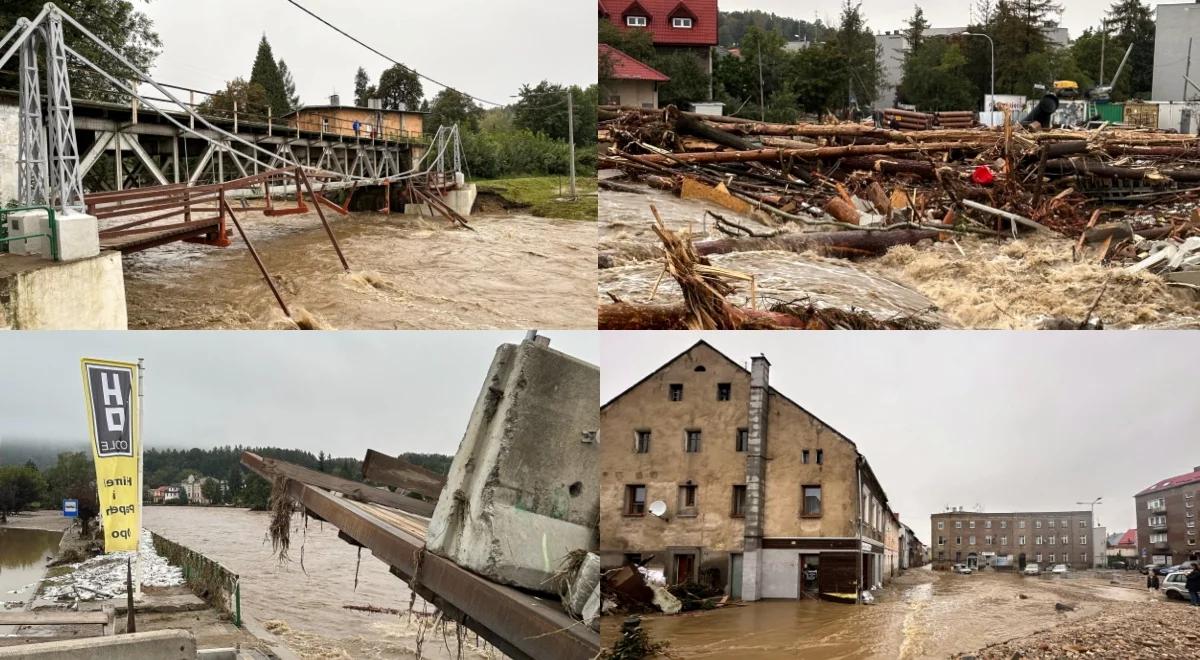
[681,22]
[987,524]
[1038,557]
[1160,537]
[1082,524]
[820,457]
[1050,540]
[1021,540]
[743,439]
[804,456]
[957,524]
[723,391]
[1038,524]
[941,540]
[677,391]
[1155,504]
[1003,540]
[971,540]
[1003,524]
[738,510]
[1020,524]
[987,540]
[687,500]
[1050,524]
[971,524]
[691,442]
[1051,557]
[636,21]
[1066,539]
[1082,540]
[635,500]
[1037,541]
[812,500]
[941,525]
[641,443]
[1083,557]
[958,540]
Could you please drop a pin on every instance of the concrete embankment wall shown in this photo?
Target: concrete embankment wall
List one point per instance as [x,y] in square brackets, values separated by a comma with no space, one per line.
[156,645]
[38,294]
[9,143]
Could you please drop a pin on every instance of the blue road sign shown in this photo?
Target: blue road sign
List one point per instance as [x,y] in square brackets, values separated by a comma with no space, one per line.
[71,508]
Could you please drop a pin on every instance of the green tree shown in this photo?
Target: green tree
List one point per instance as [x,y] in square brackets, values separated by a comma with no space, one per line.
[212,491]
[289,86]
[935,78]
[234,482]
[21,488]
[855,44]
[74,477]
[256,493]
[266,74]
[247,96]
[400,87]
[363,89]
[734,25]
[1131,22]
[321,461]
[453,107]
[1023,51]
[115,22]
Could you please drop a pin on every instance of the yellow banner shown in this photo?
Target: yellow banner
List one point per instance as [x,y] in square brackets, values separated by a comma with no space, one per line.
[111,392]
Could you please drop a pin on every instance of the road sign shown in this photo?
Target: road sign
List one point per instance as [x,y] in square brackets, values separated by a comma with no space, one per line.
[71,508]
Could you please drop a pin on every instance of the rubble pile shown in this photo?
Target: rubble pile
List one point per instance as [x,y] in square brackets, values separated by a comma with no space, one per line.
[1125,631]
[103,576]
[1118,197]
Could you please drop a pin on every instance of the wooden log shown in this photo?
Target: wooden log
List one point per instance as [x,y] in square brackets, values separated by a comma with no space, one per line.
[842,211]
[353,489]
[692,126]
[833,243]
[820,153]
[922,169]
[400,473]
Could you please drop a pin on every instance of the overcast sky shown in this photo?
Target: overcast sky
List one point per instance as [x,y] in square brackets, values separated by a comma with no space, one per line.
[884,15]
[341,392]
[1009,421]
[487,48]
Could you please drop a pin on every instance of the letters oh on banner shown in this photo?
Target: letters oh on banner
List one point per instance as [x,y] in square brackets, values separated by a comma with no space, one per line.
[110,391]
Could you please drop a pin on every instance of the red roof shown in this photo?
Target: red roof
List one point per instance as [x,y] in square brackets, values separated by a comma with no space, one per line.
[625,67]
[1185,478]
[1128,538]
[658,15]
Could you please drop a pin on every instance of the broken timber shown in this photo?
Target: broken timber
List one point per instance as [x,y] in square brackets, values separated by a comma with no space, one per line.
[400,473]
[521,625]
[352,489]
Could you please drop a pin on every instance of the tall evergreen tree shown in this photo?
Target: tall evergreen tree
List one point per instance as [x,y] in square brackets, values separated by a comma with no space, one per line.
[289,85]
[266,75]
[362,87]
[1132,22]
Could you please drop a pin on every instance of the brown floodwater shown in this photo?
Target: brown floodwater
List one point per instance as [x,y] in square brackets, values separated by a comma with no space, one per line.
[23,557]
[513,271]
[303,605]
[922,614]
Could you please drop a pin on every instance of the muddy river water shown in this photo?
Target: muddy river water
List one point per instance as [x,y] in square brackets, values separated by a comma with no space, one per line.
[23,556]
[923,614]
[513,271]
[303,605]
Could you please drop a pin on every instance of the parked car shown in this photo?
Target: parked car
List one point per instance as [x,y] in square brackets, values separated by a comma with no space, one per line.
[1175,585]
[961,568]
[1145,570]
[1167,570]
[1059,569]
[1032,569]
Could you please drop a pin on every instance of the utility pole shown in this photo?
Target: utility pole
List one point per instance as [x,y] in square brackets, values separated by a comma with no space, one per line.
[1187,71]
[1103,41]
[571,136]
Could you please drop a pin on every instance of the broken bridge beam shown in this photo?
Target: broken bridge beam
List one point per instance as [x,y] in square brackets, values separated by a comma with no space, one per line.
[398,472]
[352,489]
[520,625]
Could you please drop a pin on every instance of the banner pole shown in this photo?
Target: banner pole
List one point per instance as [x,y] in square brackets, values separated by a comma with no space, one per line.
[140,485]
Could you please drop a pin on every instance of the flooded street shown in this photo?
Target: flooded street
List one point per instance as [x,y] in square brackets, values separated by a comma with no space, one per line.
[922,614]
[23,557]
[406,273]
[303,605]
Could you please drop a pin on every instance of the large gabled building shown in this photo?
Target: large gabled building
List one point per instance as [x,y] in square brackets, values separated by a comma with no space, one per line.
[1166,519]
[711,474]
[674,25]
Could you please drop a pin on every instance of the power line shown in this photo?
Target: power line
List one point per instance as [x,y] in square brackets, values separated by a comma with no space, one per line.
[393,61]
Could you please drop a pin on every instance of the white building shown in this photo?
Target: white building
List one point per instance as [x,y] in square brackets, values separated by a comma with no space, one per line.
[1176,27]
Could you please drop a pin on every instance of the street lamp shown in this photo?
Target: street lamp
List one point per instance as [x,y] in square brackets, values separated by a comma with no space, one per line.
[1093,504]
[992,48]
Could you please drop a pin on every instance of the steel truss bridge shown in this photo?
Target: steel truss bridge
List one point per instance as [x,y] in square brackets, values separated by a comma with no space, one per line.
[171,172]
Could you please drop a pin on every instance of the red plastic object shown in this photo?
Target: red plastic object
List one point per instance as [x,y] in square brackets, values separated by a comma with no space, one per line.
[983,175]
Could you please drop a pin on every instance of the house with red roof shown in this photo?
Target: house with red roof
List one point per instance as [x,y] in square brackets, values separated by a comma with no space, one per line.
[674,25]
[1123,547]
[628,81]
[1166,520]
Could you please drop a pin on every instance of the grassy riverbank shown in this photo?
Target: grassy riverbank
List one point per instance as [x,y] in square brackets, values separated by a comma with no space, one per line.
[545,196]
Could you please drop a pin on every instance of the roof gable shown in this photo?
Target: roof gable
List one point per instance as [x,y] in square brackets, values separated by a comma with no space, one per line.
[683,11]
[626,67]
[659,14]
[1167,484]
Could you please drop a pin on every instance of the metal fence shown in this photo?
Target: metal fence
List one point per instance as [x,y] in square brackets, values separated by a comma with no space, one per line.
[217,585]
[51,233]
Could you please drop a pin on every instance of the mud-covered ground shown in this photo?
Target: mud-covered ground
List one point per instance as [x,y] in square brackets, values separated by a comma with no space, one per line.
[513,271]
[970,282]
[921,614]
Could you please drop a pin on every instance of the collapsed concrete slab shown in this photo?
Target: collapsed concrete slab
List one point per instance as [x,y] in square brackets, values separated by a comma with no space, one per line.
[523,490]
[155,645]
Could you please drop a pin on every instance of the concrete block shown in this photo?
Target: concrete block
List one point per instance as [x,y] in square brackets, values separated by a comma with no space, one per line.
[523,490]
[155,645]
[78,236]
[462,199]
[25,223]
[86,294]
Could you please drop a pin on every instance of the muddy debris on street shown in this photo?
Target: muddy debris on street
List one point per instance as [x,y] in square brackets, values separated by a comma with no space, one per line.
[1008,227]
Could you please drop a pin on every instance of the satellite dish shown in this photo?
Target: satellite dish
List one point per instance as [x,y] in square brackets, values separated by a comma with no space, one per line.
[658,508]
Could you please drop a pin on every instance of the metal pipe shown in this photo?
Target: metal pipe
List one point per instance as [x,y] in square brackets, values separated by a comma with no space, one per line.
[320,213]
[266,275]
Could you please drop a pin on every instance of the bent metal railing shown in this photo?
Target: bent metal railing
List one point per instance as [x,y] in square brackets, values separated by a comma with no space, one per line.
[51,224]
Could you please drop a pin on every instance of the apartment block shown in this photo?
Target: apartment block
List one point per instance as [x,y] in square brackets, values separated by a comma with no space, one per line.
[1010,541]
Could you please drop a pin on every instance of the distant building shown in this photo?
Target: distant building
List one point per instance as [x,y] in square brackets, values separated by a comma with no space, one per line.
[1176,28]
[714,475]
[628,81]
[1009,541]
[913,553]
[893,46]
[1166,519]
[674,25]
[1123,546]
[378,123]
[193,487]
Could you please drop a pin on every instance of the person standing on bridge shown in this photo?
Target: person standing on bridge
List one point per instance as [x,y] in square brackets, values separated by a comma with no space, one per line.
[357,127]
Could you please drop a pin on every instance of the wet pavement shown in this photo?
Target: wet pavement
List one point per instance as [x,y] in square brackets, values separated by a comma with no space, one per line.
[922,614]
[301,601]
[513,271]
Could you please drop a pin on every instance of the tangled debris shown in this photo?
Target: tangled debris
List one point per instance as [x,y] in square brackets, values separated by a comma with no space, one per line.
[1119,197]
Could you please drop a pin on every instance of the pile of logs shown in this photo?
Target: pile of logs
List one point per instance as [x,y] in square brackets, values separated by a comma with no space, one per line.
[823,177]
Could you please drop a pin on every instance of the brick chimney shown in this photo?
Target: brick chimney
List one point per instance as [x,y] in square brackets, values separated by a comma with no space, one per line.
[756,450]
